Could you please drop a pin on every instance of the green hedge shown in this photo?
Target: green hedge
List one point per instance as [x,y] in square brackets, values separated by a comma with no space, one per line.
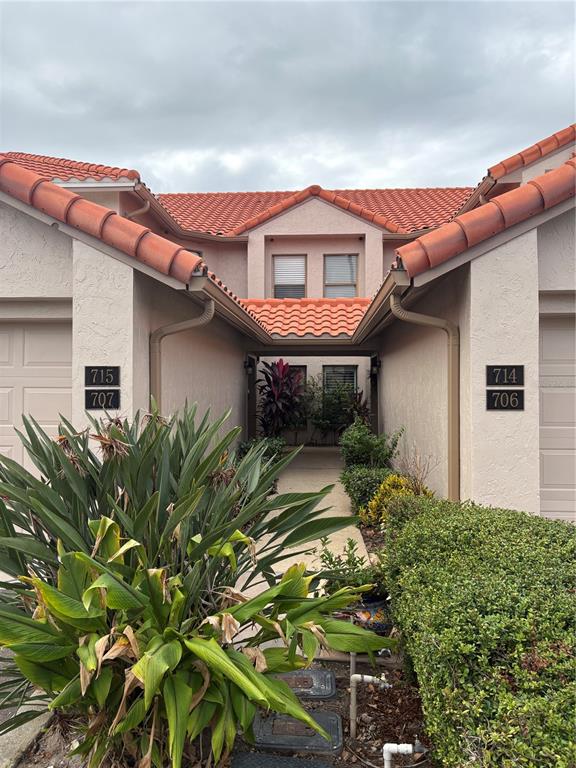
[361,483]
[486,602]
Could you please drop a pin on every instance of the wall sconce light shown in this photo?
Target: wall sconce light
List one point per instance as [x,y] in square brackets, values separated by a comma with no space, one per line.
[375,365]
[249,366]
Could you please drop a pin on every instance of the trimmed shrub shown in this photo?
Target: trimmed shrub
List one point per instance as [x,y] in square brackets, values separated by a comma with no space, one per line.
[359,445]
[394,486]
[361,483]
[486,603]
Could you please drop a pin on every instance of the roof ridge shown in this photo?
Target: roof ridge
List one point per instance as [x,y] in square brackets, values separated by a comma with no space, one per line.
[78,165]
[534,152]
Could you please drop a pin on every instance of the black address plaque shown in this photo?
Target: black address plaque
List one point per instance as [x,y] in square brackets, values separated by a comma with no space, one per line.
[504,399]
[505,375]
[101,399]
[101,375]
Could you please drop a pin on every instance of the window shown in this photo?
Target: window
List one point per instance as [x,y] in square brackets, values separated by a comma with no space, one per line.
[289,277]
[302,369]
[339,375]
[340,270]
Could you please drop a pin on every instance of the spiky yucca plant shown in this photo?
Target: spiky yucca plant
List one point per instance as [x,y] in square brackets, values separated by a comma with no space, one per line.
[124,601]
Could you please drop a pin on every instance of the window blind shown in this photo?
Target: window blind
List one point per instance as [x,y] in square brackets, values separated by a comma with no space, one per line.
[340,275]
[339,375]
[290,277]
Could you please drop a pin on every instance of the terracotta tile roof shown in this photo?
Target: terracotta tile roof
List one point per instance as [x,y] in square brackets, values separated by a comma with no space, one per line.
[533,153]
[480,224]
[397,210]
[241,302]
[308,317]
[100,222]
[62,169]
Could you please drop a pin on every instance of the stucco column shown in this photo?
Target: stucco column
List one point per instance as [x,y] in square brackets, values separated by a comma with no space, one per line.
[504,330]
[256,261]
[373,257]
[102,321]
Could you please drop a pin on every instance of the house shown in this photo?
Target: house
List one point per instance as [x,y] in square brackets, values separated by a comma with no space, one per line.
[452,308]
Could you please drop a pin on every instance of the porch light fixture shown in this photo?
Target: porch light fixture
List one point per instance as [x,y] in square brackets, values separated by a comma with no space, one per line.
[249,367]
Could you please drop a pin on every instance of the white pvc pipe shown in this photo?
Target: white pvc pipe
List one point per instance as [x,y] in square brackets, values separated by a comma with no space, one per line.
[381,682]
[390,749]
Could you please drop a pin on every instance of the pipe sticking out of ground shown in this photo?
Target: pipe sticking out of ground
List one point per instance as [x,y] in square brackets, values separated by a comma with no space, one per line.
[381,682]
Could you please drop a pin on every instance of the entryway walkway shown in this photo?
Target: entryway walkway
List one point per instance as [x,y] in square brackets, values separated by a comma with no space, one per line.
[311,470]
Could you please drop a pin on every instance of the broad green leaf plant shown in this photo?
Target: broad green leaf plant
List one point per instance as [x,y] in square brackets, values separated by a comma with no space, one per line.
[125,600]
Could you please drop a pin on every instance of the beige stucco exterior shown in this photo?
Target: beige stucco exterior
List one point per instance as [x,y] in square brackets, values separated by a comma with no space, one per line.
[203,365]
[325,229]
[49,276]
[413,376]
[496,300]
[35,260]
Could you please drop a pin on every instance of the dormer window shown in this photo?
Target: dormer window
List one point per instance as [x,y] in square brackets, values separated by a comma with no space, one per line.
[290,276]
[340,275]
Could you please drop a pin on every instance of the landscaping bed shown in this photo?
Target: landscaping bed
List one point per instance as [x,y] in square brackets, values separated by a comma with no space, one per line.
[393,715]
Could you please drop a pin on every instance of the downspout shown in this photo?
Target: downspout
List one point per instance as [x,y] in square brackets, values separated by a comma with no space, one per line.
[156,341]
[138,212]
[453,335]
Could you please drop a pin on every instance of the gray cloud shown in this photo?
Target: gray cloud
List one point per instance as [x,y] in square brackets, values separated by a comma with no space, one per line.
[207,96]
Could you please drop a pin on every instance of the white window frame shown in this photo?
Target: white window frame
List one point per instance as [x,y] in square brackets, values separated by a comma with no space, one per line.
[337,284]
[302,256]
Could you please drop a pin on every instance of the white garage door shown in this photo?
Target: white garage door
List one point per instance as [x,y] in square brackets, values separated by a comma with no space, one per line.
[558,417]
[35,378]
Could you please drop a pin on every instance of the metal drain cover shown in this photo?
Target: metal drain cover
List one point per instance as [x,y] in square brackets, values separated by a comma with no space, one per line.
[260,760]
[284,733]
[311,683]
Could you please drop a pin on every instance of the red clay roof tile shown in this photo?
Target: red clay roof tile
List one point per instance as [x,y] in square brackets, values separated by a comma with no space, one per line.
[478,225]
[233,213]
[70,170]
[98,221]
[308,317]
[534,152]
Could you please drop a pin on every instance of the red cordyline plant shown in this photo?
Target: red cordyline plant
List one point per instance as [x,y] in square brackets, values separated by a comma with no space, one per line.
[281,392]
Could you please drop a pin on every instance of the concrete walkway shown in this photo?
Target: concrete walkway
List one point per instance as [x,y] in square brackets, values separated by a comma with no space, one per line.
[311,470]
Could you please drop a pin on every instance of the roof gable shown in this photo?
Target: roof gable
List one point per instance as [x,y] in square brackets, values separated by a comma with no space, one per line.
[396,210]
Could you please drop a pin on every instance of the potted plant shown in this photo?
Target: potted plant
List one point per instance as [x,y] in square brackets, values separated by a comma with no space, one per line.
[353,570]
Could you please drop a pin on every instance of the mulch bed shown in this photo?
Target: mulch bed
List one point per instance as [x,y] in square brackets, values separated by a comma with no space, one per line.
[373,538]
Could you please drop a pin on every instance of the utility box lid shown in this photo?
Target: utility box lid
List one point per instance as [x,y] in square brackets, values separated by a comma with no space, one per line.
[311,683]
[283,733]
[261,760]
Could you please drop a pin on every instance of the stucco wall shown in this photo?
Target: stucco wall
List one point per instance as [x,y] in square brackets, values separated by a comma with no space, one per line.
[315,248]
[557,253]
[413,382]
[102,313]
[35,259]
[504,330]
[204,365]
[312,218]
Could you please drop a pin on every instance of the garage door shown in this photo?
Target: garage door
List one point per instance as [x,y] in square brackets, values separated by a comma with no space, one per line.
[558,417]
[35,378]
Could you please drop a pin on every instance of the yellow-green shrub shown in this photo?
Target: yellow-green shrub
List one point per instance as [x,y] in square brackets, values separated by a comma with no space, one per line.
[393,487]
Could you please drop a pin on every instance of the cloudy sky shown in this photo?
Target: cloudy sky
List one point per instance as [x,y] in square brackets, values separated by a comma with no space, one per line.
[279,95]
